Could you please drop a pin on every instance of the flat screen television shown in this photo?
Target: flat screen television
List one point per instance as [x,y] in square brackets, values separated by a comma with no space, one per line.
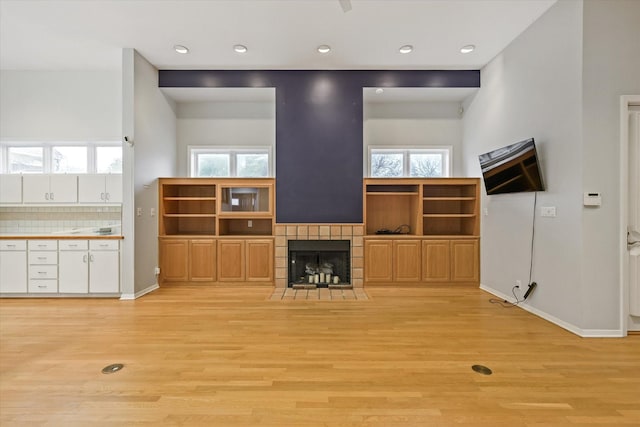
[512,169]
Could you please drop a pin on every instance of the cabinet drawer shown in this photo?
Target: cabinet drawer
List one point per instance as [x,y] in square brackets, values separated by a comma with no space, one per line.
[74,245]
[43,245]
[42,258]
[103,245]
[43,272]
[13,245]
[45,286]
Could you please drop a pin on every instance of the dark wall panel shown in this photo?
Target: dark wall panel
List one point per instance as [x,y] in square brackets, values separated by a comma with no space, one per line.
[319,147]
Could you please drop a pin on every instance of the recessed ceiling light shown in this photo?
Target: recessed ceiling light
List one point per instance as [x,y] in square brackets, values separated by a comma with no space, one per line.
[240,48]
[181,49]
[467,49]
[323,48]
[407,48]
[379,90]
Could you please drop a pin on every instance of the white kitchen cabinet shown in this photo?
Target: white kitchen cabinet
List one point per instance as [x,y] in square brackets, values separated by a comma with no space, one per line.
[43,266]
[100,188]
[73,267]
[10,188]
[89,266]
[13,266]
[104,266]
[50,188]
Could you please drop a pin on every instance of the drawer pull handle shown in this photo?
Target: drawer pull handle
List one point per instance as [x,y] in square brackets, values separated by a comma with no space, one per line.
[73,246]
[42,257]
[42,272]
[42,286]
[11,246]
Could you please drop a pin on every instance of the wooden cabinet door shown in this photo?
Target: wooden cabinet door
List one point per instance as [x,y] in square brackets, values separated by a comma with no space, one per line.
[231,260]
[174,257]
[202,260]
[436,264]
[378,261]
[260,260]
[406,260]
[465,265]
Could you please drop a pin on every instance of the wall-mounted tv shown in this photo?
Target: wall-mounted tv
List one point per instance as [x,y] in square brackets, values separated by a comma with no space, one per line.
[512,169]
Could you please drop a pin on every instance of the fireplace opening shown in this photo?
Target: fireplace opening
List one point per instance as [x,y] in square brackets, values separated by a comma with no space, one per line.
[319,263]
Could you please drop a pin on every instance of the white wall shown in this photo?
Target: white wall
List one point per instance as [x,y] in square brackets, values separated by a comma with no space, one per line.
[611,68]
[223,124]
[534,89]
[154,156]
[418,124]
[60,105]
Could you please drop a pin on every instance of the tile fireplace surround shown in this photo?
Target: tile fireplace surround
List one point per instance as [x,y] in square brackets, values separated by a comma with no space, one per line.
[351,232]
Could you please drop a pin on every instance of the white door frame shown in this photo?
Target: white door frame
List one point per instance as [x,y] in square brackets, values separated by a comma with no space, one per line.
[625,102]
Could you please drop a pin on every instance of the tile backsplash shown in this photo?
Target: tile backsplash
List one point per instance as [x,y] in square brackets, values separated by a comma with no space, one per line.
[43,219]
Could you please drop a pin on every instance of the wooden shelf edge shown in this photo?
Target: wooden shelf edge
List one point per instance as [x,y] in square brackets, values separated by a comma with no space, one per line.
[172,215]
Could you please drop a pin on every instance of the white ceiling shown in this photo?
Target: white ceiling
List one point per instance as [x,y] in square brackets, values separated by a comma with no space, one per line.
[280,34]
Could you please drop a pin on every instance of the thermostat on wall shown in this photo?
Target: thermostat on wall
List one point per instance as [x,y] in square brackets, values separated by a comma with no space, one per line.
[592,199]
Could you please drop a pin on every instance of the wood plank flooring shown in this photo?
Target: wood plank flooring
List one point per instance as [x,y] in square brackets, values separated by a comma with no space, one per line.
[210,356]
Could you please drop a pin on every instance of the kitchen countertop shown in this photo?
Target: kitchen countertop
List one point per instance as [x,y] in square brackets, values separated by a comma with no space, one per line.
[54,236]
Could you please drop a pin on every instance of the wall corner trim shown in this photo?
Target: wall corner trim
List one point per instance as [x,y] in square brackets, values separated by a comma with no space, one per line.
[138,294]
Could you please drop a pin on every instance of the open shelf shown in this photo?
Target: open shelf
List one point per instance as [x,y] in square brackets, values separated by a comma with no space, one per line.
[216,207]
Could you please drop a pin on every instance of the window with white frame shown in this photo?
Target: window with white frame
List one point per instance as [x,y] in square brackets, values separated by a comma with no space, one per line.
[60,157]
[230,162]
[390,162]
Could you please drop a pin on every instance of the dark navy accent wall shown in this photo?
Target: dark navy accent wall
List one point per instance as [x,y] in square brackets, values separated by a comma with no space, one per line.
[319,137]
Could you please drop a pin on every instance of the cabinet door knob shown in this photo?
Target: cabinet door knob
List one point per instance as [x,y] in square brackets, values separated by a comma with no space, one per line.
[84,258]
[46,196]
[51,196]
[102,197]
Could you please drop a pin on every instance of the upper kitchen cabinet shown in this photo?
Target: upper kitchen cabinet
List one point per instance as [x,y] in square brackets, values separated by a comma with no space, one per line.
[50,188]
[10,188]
[100,188]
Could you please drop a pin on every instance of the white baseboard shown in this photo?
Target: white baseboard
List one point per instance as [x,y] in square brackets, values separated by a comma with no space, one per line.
[140,293]
[585,333]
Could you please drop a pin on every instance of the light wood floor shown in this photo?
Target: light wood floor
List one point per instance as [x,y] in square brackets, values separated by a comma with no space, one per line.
[222,357]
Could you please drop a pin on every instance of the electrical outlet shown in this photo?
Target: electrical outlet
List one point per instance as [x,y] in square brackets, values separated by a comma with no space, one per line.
[156,271]
[152,212]
[249,223]
[548,211]
[138,211]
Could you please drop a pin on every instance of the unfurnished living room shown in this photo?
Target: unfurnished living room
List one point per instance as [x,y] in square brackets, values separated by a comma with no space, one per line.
[319,212]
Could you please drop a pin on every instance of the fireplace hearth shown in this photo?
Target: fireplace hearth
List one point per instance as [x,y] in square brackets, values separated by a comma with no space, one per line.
[319,263]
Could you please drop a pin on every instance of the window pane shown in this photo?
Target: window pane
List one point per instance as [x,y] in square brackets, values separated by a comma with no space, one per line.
[212,165]
[386,164]
[425,165]
[109,159]
[69,159]
[25,160]
[253,165]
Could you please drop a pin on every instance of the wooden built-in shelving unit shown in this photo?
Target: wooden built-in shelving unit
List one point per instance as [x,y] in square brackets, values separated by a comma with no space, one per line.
[421,230]
[216,230]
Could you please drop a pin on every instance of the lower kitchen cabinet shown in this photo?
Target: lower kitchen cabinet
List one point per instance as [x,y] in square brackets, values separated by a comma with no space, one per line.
[13,266]
[89,266]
